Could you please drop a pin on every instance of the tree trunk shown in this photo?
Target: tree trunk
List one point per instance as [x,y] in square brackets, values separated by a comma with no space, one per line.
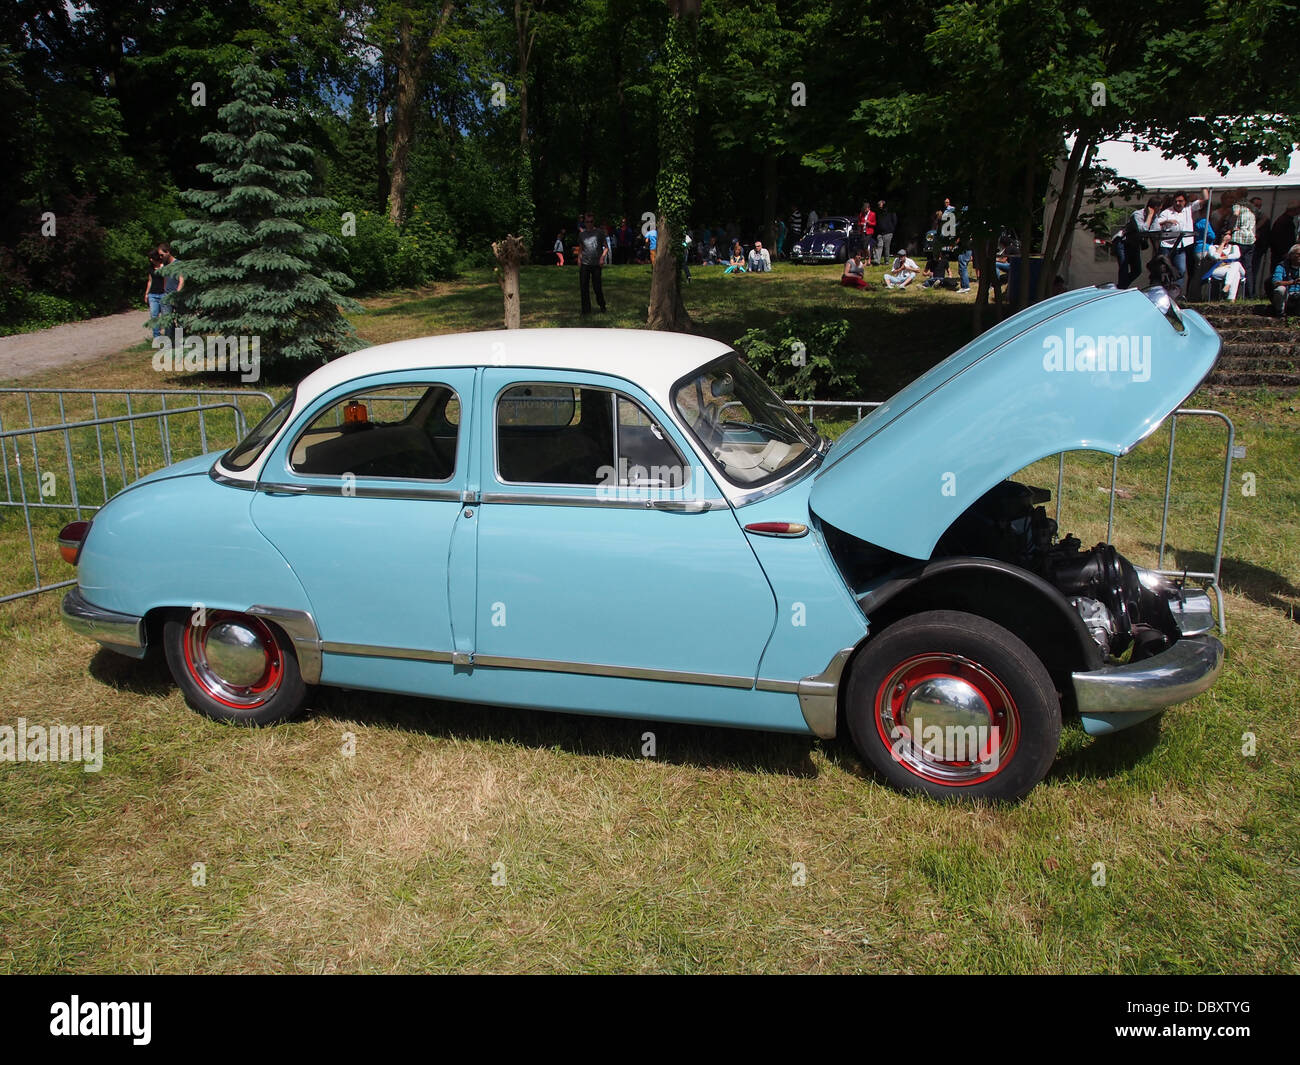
[404,104]
[667,310]
[381,149]
[411,59]
[678,107]
[509,254]
[1026,237]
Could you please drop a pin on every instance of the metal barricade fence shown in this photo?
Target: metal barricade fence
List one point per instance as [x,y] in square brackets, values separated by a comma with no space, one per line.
[1210,577]
[76,463]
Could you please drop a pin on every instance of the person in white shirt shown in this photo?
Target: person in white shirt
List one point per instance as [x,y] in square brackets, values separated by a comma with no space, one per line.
[760,261]
[1227,266]
[902,273]
[1178,228]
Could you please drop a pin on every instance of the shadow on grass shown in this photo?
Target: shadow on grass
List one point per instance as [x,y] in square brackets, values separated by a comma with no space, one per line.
[698,746]
[1104,756]
[1264,586]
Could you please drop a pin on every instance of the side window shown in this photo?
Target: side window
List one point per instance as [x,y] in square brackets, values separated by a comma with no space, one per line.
[561,434]
[646,457]
[406,431]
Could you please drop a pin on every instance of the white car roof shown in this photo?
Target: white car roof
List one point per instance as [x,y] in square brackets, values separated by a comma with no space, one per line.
[653,360]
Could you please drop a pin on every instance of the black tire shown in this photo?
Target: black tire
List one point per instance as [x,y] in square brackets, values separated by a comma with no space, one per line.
[971,673]
[842,254]
[213,656]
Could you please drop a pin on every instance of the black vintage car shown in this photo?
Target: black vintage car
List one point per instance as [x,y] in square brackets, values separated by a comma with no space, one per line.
[827,243]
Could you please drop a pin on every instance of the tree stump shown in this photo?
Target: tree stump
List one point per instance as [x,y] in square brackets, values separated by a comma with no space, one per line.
[509,254]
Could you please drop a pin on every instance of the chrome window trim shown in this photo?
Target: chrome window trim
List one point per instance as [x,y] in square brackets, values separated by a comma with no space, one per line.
[615,395]
[362,491]
[336,479]
[541,500]
[229,481]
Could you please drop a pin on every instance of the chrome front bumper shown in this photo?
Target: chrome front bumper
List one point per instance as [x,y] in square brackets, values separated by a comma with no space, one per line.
[124,633]
[1182,672]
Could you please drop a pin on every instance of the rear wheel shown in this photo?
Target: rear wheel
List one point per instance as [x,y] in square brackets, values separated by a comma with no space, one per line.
[952,705]
[234,667]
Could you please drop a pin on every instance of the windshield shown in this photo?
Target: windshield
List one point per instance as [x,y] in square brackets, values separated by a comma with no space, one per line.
[245,453]
[831,225]
[752,436]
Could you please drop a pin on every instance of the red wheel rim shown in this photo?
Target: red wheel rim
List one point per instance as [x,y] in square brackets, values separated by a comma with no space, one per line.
[947,719]
[235,659]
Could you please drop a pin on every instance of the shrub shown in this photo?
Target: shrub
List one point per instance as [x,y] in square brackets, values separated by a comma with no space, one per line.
[802,356]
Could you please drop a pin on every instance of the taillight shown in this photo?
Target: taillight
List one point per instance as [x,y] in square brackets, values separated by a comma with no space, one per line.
[71,537]
[777,528]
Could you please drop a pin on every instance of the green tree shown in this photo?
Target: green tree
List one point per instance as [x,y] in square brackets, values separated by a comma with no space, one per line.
[252,263]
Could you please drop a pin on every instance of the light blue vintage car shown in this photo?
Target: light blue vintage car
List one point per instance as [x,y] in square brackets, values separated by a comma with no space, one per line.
[632,523]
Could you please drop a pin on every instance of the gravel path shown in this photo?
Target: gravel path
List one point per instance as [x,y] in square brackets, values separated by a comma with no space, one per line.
[72,342]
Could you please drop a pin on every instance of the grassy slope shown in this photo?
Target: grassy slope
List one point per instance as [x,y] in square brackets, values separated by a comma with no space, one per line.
[317,861]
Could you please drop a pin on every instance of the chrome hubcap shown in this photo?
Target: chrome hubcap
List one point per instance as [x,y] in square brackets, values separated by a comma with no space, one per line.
[947,719]
[236,659]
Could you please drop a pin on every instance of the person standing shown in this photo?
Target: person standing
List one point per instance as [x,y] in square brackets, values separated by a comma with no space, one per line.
[559,248]
[154,286]
[1242,234]
[780,239]
[886,223]
[172,283]
[591,257]
[796,225]
[652,242]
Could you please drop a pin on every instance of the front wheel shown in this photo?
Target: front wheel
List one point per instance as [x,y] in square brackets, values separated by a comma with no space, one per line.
[233,667]
[954,706]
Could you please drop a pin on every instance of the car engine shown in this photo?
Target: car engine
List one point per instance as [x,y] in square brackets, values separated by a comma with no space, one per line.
[1131,613]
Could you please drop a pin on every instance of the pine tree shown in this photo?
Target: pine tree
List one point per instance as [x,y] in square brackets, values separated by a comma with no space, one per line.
[253,265]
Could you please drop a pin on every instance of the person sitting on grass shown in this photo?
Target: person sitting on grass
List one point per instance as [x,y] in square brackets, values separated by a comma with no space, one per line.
[854,272]
[713,257]
[760,261]
[737,262]
[902,273]
[1286,283]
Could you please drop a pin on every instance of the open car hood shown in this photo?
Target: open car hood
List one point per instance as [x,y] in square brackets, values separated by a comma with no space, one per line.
[1092,369]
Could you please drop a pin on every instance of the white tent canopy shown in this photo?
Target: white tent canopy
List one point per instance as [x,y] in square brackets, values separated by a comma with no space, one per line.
[1088,262]
[1134,159]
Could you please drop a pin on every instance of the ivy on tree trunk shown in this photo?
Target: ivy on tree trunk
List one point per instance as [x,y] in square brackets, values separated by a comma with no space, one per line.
[678,108]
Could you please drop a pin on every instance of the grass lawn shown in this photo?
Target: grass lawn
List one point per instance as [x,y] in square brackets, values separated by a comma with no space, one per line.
[604,860]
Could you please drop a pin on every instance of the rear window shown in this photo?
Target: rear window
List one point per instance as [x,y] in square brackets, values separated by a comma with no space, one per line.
[246,452]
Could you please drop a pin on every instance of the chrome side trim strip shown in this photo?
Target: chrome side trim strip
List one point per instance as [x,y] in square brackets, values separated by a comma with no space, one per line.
[538,499]
[361,491]
[366,650]
[789,687]
[124,633]
[595,669]
[1175,675]
[540,665]
[301,627]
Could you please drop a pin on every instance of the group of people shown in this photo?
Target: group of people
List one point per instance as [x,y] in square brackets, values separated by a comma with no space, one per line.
[158,287]
[1197,243]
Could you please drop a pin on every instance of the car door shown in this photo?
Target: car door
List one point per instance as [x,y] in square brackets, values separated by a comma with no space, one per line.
[602,553]
[362,498]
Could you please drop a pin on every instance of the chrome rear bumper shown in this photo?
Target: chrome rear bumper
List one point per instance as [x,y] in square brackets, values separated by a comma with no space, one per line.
[124,633]
[1182,672]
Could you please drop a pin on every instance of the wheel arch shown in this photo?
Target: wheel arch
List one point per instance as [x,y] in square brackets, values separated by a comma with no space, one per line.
[1020,601]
